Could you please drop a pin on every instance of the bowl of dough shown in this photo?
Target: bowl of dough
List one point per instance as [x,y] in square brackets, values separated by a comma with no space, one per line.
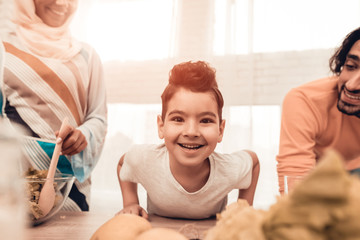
[34,182]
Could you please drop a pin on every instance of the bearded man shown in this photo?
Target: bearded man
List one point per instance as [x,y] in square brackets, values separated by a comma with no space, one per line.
[323,114]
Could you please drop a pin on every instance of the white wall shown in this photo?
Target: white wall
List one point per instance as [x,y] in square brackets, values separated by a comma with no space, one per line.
[259,79]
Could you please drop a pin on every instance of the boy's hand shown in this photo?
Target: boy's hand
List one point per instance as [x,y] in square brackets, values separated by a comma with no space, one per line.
[134,209]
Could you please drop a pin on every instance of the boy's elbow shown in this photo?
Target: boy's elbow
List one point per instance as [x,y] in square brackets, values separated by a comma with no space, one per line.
[256,162]
[119,165]
[256,166]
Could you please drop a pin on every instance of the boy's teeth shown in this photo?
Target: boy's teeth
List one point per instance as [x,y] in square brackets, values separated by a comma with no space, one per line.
[190,146]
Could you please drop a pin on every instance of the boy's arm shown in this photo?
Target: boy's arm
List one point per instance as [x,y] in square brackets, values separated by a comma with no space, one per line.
[129,195]
[248,194]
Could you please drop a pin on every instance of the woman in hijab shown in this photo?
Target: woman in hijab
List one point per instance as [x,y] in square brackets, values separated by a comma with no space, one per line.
[48,76]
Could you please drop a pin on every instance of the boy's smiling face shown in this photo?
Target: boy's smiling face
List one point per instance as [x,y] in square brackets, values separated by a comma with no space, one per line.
[191,128]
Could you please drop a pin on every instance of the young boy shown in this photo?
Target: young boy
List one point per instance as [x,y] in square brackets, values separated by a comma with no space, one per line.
[185,178]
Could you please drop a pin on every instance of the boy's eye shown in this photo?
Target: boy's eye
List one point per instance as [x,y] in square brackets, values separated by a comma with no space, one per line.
[207,120]
[177,119]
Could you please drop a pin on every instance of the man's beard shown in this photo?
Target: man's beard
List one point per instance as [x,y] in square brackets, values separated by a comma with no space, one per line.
[345,107]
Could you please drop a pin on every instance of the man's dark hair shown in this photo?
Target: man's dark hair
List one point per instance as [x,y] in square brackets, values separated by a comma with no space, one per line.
[337,61]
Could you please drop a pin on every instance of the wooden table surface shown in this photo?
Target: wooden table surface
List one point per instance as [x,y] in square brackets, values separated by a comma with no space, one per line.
[82,225]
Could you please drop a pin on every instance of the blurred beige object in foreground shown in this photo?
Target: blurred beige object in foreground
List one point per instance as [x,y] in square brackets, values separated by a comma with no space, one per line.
[323,206]
[238,221]
[12,198]
[161,234]
[122,226]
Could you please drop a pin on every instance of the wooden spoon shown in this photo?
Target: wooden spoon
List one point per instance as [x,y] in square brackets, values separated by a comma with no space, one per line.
[47,194]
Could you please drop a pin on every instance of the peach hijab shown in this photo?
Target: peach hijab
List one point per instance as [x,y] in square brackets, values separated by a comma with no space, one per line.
[41,39]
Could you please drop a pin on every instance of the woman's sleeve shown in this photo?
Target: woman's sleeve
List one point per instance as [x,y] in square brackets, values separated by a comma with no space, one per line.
[95,124]
[299,128]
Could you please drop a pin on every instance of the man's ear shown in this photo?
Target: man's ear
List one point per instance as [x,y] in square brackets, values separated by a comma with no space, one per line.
[160,124]
[221,132]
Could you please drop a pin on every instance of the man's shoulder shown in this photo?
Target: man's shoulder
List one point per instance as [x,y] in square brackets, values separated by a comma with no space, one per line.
[317,90]
[322,84]
[315,100]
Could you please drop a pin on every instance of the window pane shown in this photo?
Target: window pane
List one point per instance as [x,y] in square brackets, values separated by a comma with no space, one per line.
[130,30]
[282,25]
[241,26]
[220,27]
[231,27]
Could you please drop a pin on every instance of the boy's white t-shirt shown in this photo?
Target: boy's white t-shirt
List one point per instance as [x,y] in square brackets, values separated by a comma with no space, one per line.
[149,166]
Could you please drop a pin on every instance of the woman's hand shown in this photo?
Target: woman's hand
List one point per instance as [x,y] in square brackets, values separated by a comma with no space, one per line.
[134,209]
[73,140]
